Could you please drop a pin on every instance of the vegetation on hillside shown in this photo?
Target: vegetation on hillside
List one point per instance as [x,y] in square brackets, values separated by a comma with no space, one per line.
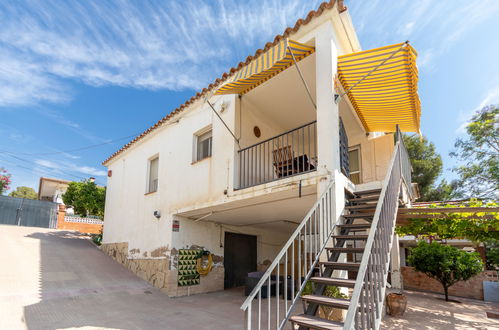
[478,153]
[24,192]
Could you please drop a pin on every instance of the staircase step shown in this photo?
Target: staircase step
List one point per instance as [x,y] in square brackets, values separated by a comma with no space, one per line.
[355,226]
[361,207]
[368,192]
[328,301]
[346,250]
[351,237]
[314,322]
[341,282]
[358,215]
[364,199]
[341,265]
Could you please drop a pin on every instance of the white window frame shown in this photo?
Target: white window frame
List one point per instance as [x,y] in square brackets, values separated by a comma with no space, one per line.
[148,178]
[359,151]
[196,141]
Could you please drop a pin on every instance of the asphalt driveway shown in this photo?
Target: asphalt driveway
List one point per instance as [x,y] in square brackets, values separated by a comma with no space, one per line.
[52,279]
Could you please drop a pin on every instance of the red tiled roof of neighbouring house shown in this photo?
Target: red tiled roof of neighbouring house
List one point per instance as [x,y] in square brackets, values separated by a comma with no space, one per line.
[312,14]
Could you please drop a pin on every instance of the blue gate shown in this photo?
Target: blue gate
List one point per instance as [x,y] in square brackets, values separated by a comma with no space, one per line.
[27,212]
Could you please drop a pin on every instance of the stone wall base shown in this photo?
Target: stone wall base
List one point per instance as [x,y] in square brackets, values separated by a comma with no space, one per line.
[158,272]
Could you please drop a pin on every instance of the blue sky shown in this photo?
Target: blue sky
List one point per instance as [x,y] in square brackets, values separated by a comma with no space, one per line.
[80,73]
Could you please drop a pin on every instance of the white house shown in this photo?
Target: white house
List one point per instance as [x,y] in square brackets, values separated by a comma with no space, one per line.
[262,162]
[50,189]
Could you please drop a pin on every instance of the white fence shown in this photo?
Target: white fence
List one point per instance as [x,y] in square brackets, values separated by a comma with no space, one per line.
[92,221]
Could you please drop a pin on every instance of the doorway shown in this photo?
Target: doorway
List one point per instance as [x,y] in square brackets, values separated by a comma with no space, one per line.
[239,258]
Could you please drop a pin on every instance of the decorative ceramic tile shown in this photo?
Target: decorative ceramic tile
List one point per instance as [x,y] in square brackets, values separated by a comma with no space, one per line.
[186,267]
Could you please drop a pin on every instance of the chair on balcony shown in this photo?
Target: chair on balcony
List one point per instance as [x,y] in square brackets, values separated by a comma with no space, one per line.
[283,161]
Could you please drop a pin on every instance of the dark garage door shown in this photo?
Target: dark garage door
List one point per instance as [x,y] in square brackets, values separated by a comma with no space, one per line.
[239,258]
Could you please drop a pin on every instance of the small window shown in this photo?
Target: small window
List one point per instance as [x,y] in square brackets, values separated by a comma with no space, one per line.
[204,145]
[354,163]
[152,184]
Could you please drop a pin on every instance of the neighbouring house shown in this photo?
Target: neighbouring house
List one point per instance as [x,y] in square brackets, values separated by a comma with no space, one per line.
[288,168]
[50,189]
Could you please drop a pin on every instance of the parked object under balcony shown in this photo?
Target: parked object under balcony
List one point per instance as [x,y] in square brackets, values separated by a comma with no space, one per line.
[252,280]
[396,304]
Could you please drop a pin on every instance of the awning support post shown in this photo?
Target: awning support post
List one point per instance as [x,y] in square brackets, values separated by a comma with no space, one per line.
[223,122]
[301,76]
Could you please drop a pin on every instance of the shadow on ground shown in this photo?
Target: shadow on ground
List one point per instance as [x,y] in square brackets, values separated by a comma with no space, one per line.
[79,286]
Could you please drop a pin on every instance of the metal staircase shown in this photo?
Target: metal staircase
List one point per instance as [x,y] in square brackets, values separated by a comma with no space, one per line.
[324,248]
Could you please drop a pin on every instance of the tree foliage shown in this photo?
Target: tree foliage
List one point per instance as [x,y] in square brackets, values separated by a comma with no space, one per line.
[445,263]
[24,192]
[477,227]
[4,180]
[427,166]
[479,152]
[86,198]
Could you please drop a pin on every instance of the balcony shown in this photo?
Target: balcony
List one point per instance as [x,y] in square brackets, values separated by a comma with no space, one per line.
[288,154]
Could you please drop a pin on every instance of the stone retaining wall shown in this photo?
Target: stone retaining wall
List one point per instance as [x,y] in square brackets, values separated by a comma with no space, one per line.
[472,288]
[160,272]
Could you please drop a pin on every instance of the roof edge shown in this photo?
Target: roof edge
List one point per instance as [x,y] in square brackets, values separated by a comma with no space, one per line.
[288,31]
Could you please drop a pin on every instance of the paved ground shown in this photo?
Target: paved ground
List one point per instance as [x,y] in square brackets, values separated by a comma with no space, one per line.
[427,311]
[57,280]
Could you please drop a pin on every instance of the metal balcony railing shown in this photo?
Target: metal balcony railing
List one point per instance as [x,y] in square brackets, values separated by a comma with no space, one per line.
[288,154]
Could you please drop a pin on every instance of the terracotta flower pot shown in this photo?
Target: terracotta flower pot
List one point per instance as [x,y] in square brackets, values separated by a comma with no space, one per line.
[396,303]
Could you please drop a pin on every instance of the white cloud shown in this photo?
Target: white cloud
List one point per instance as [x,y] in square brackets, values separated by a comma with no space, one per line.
[163,45]
[434,25]
[63,167]
[491,97]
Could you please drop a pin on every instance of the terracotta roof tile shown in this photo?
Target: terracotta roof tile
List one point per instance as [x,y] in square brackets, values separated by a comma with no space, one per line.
[300,22]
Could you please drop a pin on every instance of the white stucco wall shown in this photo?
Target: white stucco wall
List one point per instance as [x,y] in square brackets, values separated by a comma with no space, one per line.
[184,184]
[129,210]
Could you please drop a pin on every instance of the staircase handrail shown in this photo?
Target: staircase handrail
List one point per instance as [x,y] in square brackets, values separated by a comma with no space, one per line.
[368,294]
[324,229]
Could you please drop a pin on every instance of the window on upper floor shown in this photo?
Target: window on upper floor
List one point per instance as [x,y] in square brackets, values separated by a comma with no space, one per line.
[152,182]
[203,145]
[354,163]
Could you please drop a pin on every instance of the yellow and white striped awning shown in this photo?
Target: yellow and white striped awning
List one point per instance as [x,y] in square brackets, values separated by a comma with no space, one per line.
[388,95]
[265,66]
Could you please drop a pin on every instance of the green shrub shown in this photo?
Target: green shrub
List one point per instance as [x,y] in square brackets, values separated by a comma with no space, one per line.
[445,263]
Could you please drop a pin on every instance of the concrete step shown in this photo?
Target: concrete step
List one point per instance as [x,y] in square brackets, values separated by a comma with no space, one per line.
[314,322]
[327,301]
[341,282]
[341,265]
